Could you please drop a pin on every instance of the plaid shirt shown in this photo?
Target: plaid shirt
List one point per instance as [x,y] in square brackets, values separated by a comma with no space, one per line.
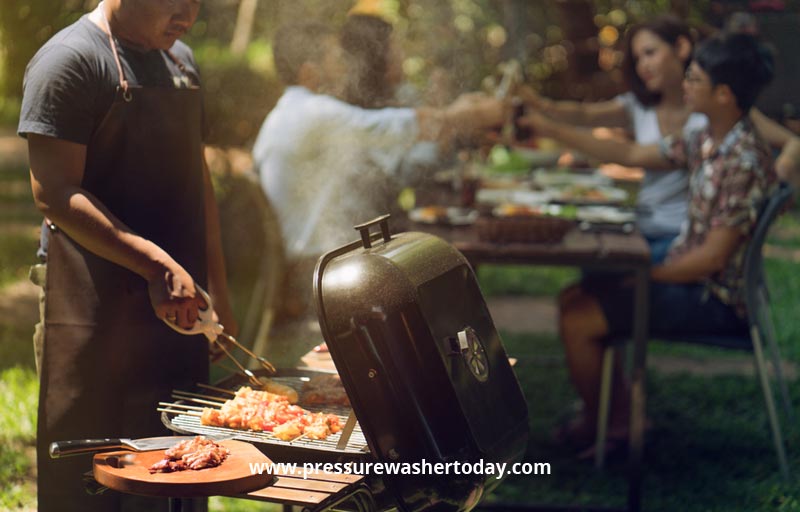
[727,186]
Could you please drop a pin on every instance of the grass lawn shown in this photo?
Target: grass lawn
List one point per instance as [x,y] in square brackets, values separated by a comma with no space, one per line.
[710,448]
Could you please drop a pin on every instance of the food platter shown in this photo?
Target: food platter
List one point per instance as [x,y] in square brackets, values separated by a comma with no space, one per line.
[564,178]
[589,195]
[450,215]
[516,196]
[605,215]
[129,472]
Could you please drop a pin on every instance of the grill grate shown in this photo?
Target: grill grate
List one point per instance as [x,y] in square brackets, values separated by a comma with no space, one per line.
[357,444]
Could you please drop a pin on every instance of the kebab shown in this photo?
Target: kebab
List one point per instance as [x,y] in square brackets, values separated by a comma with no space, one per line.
[262,411]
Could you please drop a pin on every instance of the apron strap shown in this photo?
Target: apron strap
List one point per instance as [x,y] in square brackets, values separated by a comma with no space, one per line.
[122,82]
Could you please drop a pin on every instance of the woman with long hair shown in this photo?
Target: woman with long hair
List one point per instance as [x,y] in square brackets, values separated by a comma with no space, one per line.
[656,55]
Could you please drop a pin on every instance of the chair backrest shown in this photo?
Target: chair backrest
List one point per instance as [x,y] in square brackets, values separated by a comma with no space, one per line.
[253,249]
[754,255]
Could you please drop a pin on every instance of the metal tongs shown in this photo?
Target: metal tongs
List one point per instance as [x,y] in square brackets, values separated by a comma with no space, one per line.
[212,330]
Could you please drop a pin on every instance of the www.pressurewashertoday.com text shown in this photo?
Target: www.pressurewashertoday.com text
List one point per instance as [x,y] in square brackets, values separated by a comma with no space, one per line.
[422,467]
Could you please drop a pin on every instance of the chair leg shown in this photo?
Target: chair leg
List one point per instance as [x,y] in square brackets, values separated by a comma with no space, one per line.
[773,416]
[603,407]
[771,341]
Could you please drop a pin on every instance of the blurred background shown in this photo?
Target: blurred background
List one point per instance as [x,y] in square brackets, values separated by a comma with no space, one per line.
[570,47]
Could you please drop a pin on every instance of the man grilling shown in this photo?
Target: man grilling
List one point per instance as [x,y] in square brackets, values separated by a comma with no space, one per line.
[113,116]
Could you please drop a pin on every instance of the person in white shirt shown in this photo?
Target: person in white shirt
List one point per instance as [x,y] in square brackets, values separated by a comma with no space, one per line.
[326,165]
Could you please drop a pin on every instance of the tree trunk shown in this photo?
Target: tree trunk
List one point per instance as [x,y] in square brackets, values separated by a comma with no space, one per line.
[244,26]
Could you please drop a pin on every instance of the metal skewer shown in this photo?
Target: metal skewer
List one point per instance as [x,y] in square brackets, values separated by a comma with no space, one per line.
[215,388]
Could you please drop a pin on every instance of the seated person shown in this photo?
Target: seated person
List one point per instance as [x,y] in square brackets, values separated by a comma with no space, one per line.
[657,53]
[315,154]
[701,281]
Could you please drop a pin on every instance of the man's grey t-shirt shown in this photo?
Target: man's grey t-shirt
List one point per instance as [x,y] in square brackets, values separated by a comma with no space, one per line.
[72,80]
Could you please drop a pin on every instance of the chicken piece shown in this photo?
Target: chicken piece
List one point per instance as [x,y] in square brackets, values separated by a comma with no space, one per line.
[270,386]
[288,431]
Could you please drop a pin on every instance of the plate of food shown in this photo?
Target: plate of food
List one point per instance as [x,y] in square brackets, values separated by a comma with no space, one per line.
[450,215]
[511,210]
[582,194]
[605,215]
[190,468]
[564,177]
[509,195]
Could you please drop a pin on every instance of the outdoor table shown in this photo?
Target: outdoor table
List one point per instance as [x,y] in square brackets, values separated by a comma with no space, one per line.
[605,251]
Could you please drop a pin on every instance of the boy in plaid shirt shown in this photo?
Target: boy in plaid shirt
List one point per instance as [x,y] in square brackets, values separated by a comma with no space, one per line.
[698,289]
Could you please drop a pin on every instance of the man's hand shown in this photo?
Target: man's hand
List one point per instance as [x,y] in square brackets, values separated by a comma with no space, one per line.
[473,112]
[174,297]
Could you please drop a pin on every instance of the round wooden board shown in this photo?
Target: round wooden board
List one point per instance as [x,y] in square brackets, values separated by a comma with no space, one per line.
[128,472]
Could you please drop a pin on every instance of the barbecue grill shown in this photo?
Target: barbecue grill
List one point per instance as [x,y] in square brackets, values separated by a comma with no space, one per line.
[421,361]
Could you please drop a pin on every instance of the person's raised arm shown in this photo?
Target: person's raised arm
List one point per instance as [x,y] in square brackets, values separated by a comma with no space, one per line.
[467,116]
[56,168]
[609,151]
[611,113]
[702,261]
[787,164]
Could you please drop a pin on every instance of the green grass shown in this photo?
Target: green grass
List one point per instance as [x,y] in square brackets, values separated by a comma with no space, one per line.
[524,280]
[710,449]
[18,398]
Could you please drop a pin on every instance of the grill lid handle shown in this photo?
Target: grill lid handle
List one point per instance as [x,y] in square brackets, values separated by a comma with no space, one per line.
[363,230]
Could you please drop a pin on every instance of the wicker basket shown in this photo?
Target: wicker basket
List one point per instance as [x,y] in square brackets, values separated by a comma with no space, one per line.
[523,229]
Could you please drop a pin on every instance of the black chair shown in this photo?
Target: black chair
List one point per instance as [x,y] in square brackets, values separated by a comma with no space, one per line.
[761,328]
[253,249]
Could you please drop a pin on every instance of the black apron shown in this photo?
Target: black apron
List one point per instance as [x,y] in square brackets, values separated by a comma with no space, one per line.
[107,358]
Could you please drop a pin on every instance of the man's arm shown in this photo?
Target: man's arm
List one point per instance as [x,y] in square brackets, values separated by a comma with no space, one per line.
[611,113]
[57,168]
[217,279]
[787,164]
[702,261]
[611,151]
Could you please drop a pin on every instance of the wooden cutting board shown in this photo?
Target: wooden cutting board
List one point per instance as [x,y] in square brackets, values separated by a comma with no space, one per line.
[127,471]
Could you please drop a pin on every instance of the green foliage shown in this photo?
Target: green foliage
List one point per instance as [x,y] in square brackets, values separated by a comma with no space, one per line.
[17,254]
[18,221]
[237,95]
[24,27]
[19,389]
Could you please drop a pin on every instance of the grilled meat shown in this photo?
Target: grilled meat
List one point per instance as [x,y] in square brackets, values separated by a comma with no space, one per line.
[266,412]
[325,390]
[197,453]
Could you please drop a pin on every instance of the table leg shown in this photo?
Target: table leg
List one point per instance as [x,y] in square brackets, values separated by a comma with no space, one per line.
[637,420]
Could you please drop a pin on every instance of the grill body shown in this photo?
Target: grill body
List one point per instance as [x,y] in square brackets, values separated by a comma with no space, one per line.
[422,363]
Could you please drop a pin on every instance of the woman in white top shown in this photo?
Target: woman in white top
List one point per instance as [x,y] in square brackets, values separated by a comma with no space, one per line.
[657,53]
